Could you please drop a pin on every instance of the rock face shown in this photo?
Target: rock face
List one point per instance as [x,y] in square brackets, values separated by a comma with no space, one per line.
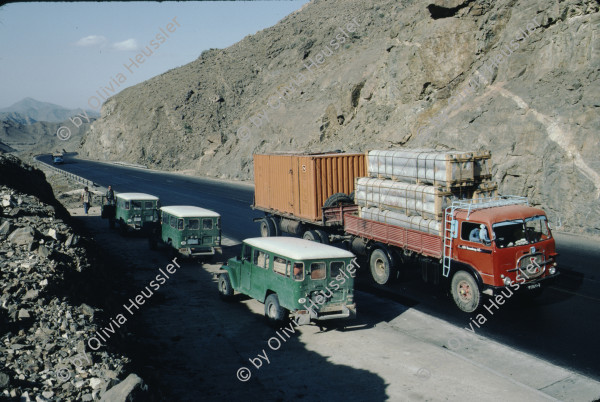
[517,77]
[43,331]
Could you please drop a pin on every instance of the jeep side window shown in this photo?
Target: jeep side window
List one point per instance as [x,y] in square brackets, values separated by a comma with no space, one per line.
[261,259]
[165,218]
[193,224]
[281,266]
[179,224]
[318,270]
[336,268]
[298,271]
[173,221]
[246,253]
[126,204]
[207,224]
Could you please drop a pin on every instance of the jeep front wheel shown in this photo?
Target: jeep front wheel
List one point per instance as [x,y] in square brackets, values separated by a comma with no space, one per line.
[225,288]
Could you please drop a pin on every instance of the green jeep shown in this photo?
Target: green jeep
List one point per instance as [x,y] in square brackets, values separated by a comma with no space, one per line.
[312,281]
[189,231]
[136,211]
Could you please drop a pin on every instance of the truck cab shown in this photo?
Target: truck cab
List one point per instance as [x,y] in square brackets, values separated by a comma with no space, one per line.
[189,231]
[136,211]
[499,246]
[308,280]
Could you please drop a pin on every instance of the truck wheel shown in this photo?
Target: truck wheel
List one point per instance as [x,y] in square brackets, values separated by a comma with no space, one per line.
[276,230]
[323,236]
[381,266]
[338,199]
[465,292]
[267,227]
[273,311]
[225,288]
[311,235]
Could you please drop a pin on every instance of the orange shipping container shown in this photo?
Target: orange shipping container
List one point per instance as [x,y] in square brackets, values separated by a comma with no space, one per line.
[299,184]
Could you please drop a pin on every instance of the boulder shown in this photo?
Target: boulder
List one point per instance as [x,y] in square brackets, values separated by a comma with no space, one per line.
[22,236]
[125,391]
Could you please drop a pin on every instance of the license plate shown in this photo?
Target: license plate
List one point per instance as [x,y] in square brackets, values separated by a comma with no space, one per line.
[535,285]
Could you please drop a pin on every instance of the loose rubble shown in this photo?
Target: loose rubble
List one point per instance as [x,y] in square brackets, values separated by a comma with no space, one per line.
[43,333]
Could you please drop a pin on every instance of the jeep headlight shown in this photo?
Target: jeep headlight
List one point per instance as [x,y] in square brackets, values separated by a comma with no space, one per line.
[552,270]
[183,243]
[129,220]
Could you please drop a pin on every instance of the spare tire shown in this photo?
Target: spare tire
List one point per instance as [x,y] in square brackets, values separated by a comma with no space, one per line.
[338,199]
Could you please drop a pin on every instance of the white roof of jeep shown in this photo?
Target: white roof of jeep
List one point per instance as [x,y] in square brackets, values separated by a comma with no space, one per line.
[137,197]
[297,249]
[189,211]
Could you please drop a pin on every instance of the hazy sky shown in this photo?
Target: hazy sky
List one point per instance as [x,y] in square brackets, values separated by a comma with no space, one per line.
[64,52]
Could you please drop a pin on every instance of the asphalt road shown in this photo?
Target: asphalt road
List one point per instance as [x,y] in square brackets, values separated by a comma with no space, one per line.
[561,326]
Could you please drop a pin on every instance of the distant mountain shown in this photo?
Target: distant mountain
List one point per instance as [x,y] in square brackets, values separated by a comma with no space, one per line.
[29,110]
[41,136]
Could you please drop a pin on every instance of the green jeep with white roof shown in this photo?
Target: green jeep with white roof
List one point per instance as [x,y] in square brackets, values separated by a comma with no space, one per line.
[312,281]
[136,211]
[190,231]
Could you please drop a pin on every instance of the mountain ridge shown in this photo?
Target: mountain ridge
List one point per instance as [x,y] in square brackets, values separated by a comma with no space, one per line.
[29,111]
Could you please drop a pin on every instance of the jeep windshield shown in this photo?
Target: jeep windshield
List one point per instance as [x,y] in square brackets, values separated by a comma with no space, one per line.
[521,232]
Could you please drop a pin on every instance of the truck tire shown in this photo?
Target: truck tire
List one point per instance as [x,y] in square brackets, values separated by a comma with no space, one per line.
[225,288]
[311,235]
[381,266]
[465,291]
[338,199]
[267,228]
[323,236]
[275,223]
[273,311]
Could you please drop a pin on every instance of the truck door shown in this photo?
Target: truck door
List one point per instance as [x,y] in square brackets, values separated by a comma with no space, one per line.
[473,249]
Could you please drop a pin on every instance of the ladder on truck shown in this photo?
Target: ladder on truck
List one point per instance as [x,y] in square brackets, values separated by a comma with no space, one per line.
[450,224]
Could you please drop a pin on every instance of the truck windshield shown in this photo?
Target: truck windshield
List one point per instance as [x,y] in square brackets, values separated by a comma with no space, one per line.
[519,233]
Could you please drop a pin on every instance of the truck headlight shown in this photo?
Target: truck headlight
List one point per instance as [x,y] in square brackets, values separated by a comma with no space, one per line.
[129,220]
[183,243]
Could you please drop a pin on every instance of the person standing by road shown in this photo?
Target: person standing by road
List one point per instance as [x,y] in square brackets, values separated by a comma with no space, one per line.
[86,197]
[110,196]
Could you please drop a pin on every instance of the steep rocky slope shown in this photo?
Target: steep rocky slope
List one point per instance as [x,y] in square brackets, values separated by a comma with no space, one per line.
[518,77]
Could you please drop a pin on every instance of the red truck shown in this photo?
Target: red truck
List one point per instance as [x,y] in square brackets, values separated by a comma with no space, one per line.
[520,252]
[485,245]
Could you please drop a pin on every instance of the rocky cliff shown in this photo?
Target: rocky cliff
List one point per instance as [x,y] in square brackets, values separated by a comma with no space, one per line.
[518,77]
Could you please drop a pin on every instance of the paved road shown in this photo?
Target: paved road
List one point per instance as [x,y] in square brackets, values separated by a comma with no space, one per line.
[561,326]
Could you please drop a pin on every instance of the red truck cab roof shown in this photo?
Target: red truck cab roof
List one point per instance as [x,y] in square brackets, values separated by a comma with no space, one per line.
[489,216]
